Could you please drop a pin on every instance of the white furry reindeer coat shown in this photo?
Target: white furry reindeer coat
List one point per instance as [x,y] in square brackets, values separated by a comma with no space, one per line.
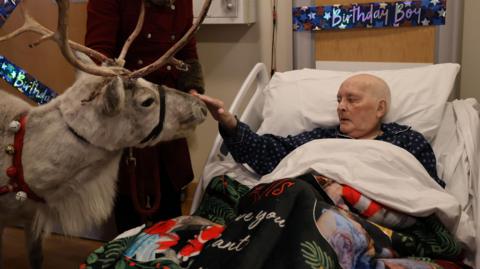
[72,146]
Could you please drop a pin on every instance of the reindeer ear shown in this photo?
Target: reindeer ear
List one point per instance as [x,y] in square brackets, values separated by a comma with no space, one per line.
[113,97]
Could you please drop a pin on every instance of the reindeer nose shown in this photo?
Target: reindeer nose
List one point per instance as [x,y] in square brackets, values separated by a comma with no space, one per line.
[204,111]
[199,108]
[196,116]
[200,111]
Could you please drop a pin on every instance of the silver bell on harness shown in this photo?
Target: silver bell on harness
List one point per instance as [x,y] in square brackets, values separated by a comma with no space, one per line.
[10,149]
[14,126]
[21,196]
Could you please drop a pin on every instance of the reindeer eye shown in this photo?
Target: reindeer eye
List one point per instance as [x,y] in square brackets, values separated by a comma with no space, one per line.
[148,102]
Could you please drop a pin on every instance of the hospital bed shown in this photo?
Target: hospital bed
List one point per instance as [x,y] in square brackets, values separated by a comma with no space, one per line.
[420,98]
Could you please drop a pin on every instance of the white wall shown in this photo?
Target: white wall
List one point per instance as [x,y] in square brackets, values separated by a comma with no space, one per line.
[227,54]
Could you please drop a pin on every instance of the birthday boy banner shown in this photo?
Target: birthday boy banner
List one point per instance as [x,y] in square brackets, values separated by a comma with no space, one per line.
[24,82]
[370,15]
[6,9]
[16,76]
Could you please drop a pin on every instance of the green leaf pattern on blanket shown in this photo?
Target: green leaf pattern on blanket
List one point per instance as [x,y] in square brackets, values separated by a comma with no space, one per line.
[218,211]
[110,253]
[315,256]
[427,238]
[220,200]
[225,185]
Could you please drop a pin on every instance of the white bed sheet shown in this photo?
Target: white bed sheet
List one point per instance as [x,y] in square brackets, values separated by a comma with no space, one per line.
[381,171]
[456,147]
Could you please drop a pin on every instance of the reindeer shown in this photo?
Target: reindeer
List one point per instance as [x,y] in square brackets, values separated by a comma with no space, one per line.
[65,170]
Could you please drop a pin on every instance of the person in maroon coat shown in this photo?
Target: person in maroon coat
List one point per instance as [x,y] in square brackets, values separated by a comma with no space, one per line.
[109,23]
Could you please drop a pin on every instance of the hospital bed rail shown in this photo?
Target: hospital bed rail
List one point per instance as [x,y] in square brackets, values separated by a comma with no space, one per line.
[253,86]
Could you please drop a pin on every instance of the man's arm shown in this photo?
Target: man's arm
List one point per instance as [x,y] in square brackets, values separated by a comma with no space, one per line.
[260,152]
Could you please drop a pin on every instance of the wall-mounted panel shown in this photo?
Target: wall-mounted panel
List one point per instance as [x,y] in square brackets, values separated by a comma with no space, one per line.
[228,11]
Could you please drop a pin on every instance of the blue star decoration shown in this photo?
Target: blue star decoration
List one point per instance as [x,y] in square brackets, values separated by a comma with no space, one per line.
[327,16]
[425,3]
[6,8]
[425,22]
[442,12]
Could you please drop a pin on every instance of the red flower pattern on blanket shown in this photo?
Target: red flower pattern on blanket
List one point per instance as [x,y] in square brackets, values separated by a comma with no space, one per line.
[195,245]
[164,235]
[166,238]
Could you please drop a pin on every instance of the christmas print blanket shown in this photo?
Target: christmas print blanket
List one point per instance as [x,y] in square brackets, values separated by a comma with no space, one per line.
[311,218]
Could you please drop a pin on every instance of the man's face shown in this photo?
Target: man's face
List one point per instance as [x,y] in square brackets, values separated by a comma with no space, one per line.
[357,110]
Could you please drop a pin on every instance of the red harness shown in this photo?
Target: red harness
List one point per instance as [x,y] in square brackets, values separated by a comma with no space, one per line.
[15,172]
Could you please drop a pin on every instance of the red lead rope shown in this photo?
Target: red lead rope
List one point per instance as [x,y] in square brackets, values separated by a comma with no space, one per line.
[143,210]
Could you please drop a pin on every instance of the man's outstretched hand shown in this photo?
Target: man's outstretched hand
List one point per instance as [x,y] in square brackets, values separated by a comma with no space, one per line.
[218,111]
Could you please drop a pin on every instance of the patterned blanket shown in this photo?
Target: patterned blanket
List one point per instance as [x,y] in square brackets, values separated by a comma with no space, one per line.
[289,223]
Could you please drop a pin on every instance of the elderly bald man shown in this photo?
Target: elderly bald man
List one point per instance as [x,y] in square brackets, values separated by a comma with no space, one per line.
[363,101]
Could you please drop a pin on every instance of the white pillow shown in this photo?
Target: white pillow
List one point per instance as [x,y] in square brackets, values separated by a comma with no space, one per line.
[301,100]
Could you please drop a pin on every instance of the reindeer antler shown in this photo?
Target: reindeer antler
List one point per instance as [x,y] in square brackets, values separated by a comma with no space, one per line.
[31,25]
[66,46]
[168,56]
[61,37]
[141,18]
